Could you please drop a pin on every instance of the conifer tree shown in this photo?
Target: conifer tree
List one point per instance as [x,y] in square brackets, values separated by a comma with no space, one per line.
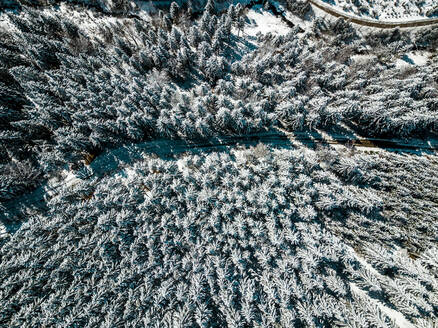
[210,8]
[240,25]
[174,12]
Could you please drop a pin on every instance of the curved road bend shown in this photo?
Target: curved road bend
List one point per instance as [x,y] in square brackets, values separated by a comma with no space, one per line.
[115,160]
[370,22]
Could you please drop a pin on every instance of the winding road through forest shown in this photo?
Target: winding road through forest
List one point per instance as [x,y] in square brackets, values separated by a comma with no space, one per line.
[113,161]
[370,22]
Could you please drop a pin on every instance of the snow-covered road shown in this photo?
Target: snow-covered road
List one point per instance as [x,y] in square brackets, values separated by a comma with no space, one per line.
[371,22]
[115,160]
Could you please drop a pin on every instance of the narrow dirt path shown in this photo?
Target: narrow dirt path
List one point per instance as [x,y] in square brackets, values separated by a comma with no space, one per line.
[369,22]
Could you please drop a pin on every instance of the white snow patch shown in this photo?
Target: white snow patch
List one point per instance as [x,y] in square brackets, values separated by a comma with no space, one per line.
[396,316]
[264,21]
[6,25]
[363,262]
[3,231]
[362,58]
[130,173]
[65,179]
[4,22]
[127,176]
[419,59]
[69,179]
[88,20]
[52,183]
[183,167]
[413,59]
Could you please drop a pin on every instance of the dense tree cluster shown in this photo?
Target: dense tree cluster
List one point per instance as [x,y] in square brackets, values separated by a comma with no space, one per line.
[260,237]
[67,92]
[254,237]
[105,6]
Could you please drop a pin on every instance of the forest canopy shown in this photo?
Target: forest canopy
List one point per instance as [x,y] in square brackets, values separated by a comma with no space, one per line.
[128,201]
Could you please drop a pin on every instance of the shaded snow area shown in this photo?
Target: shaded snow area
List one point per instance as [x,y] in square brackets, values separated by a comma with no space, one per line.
[387,10]
[264,21]
[304,23]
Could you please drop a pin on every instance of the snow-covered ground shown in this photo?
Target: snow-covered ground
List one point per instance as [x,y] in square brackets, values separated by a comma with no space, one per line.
[3,231]
[413,59]
[362,58]
[305,24]
[66,178]
[386,10]
[264,21]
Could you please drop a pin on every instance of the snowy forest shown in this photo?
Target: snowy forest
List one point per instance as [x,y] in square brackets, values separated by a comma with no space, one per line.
[217,164]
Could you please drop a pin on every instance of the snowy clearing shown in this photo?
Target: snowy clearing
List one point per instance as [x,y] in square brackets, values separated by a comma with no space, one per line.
[263,21]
